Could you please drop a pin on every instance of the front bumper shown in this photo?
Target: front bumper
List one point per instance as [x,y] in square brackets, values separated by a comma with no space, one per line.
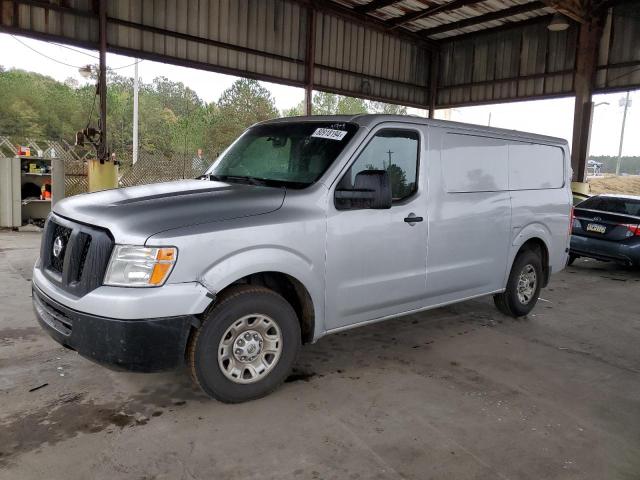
[140,345]
[126,303]
[626,252]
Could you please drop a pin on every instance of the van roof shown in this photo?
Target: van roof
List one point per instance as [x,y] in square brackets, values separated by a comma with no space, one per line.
[369,120]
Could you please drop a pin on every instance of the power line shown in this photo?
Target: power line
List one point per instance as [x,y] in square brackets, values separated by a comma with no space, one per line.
[609,80]
[74,50]
[42,54]
[69,48]
[130,65]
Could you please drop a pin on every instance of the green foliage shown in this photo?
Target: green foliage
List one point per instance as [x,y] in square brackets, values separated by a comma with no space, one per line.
[398,180]
[172,118]
[244,103]
[37,106]
[386,108]
[332,104]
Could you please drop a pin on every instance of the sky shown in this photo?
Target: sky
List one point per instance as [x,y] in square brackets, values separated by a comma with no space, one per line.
[550,117]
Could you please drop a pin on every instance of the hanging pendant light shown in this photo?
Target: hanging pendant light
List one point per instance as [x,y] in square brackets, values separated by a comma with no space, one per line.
[558,23]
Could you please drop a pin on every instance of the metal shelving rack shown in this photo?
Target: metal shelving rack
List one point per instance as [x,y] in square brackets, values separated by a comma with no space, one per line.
[16,211]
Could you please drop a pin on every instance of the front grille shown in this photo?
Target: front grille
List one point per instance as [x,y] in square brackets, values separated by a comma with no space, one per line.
[83,254]
[63,234]
[86,244]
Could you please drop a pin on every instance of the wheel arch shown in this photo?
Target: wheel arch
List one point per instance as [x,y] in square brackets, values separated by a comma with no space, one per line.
[291,289]
[539,246]
[283,270]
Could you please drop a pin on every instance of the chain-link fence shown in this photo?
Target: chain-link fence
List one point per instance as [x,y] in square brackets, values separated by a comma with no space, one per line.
[150,168]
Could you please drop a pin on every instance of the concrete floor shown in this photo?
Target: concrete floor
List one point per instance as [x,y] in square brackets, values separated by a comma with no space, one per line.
[456,393]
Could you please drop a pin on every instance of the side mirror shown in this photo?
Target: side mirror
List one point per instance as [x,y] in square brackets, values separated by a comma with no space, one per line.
[371,189]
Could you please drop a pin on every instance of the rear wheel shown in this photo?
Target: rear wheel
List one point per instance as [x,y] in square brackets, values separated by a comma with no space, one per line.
[246,346]
[523,286]
[572,258]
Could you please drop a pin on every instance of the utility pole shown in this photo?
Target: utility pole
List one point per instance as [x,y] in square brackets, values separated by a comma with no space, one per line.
[310,56]
[627,104]
[135,113]
[103,150]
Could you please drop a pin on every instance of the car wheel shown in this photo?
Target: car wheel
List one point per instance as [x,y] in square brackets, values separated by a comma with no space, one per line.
[572,258]
[523,286]
[246,346]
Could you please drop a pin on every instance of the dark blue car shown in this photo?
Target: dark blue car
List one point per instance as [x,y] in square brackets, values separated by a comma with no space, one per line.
[607,227]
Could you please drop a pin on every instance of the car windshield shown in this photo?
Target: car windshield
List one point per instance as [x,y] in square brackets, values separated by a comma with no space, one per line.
[284,154]
[620,205]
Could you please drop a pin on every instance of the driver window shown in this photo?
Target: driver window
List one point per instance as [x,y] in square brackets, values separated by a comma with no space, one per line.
[395,151]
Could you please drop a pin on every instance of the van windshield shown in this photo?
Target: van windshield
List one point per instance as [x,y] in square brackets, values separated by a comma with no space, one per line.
[294,155]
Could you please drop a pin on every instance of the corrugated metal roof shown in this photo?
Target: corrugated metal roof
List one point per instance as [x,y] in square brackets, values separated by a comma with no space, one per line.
[359,51]
[398,9]
[619,62]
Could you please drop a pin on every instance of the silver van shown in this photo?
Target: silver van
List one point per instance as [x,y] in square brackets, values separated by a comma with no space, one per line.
[301,228]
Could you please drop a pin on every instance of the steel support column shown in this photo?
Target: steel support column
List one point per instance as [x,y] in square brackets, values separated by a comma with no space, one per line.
[586,59]
[433,83]
[310,58]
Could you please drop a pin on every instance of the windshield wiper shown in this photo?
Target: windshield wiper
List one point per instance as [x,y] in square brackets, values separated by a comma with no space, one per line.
[267,182]
[238,179]
[214,178]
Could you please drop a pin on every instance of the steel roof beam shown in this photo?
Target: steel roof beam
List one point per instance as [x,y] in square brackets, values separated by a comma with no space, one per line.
[574,9]
[499,28]
[498,15]
[429,12]
[366,20]
[374,5]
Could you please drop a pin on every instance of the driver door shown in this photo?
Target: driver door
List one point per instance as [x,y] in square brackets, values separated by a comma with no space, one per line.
[376,259]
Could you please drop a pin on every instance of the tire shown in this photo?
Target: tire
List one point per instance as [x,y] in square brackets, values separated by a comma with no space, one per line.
[572,258]
[518,303]
[221,369]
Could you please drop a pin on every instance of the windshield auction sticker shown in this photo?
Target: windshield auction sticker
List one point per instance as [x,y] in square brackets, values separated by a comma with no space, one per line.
[329,134]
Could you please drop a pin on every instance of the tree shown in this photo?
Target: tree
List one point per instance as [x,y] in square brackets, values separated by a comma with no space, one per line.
[172,116]
[35,105]
[398,181]
[332,104]
[244,103]
[386,108]
[296,111]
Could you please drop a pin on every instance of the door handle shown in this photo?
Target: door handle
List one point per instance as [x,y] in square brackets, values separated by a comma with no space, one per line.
[412,218]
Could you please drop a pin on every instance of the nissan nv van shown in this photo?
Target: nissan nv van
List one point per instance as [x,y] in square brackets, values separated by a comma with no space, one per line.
[303,227]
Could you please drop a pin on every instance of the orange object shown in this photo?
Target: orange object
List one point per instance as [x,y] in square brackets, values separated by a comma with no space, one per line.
[165,259]
[45,190]
[24,151]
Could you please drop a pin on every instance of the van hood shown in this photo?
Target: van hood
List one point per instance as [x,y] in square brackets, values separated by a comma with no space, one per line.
[134,214]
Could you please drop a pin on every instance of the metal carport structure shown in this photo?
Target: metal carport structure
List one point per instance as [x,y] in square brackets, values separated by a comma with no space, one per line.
[422,53]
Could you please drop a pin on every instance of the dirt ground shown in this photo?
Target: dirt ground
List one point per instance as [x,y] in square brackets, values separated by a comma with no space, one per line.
[629,185]
[456,393]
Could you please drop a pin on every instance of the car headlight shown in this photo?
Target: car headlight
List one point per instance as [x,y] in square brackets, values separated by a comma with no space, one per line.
[137,266]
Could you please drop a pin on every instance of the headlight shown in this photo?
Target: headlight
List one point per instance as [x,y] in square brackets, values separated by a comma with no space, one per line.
[133,266]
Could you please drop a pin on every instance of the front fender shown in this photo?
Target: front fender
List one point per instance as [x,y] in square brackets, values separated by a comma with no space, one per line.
[258,259]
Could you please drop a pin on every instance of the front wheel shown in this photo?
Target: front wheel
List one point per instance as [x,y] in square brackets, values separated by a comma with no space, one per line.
[246,346]
[523,286]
